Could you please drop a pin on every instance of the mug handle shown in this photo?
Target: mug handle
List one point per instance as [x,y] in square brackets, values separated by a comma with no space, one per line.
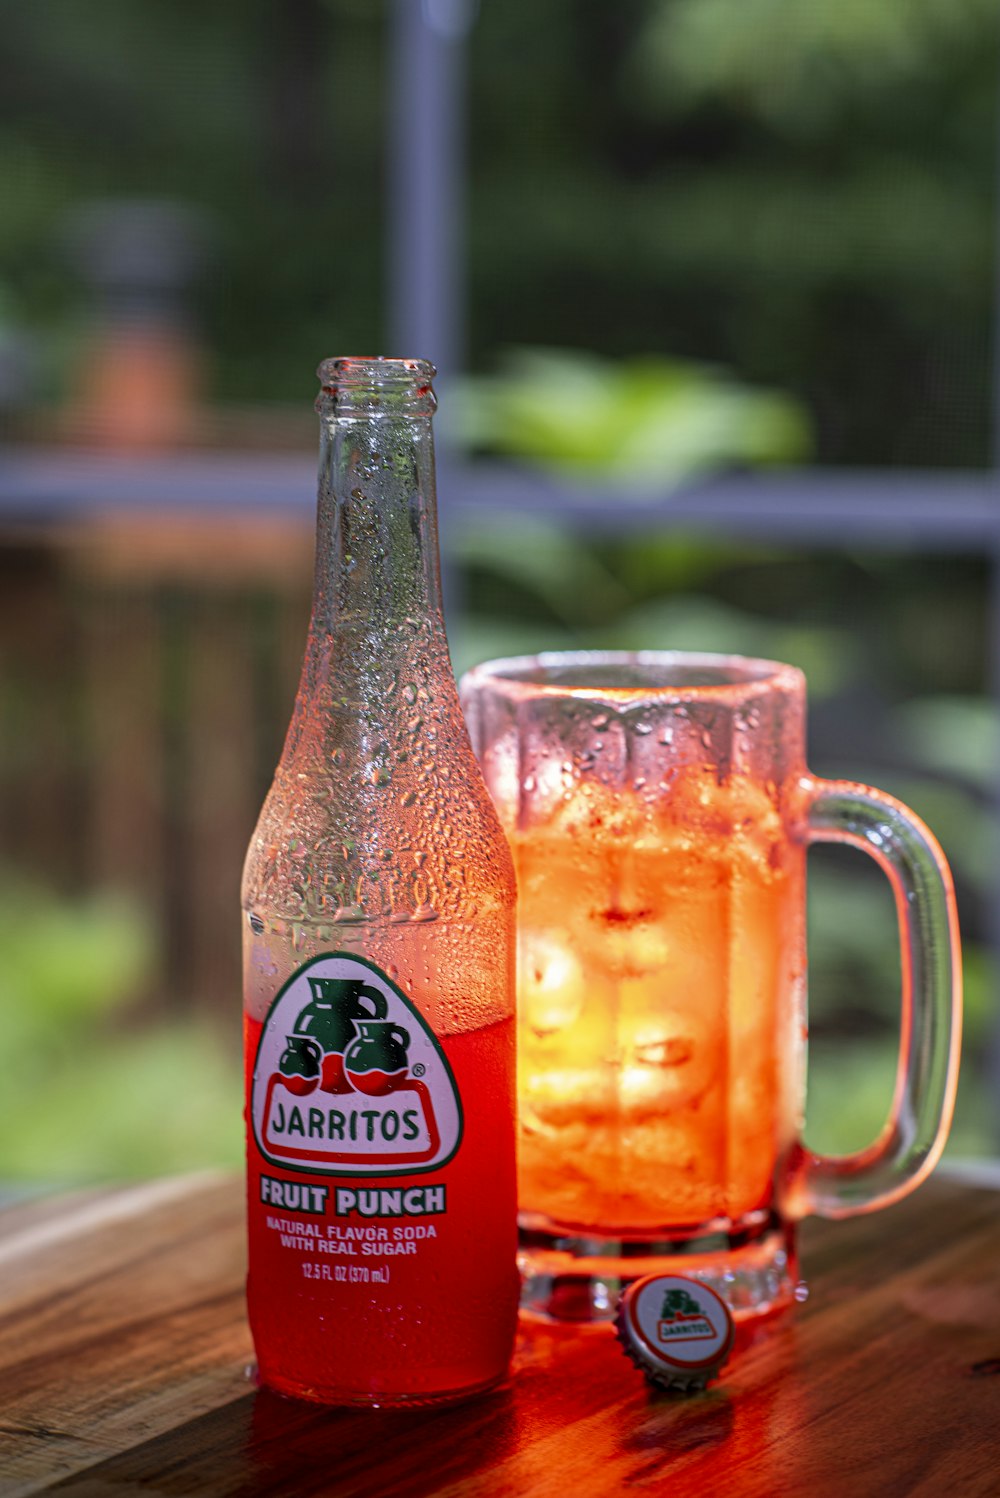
[908,1148]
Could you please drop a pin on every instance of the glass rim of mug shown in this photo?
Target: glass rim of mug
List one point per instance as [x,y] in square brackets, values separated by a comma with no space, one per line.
[656,676]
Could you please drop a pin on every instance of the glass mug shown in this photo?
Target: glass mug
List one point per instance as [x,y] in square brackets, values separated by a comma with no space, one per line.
[659,809]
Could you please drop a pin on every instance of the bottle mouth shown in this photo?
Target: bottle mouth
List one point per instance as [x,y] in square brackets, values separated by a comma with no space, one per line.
[354,384]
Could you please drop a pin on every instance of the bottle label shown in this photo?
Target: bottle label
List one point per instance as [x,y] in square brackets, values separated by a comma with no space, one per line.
[350,1079]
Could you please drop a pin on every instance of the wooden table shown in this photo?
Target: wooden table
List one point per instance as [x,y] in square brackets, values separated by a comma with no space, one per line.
[124,1355]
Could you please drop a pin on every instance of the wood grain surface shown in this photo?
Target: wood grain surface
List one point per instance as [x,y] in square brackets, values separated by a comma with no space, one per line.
[124,1362]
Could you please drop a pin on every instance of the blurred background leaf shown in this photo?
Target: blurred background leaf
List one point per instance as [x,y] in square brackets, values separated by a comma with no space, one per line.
[651,421]
[88,1088]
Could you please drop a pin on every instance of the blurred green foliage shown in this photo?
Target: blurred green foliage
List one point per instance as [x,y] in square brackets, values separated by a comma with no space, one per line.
[803,66]
[646,422]
[89,1089]
[804,195]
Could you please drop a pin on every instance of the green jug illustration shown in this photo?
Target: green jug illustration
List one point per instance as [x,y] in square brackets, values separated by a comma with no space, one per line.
[338,1006]
[300,1063]
[375,1063]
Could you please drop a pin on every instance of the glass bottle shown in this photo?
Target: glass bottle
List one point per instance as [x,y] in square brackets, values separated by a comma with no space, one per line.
[378,899]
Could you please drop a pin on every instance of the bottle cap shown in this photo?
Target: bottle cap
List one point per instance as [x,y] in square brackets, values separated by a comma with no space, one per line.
[679,1332]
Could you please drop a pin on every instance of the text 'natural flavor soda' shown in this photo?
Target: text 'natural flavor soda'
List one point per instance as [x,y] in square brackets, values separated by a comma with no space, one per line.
[378,901]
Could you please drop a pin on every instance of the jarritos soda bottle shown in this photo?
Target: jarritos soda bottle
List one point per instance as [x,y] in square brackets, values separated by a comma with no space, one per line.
[378,900]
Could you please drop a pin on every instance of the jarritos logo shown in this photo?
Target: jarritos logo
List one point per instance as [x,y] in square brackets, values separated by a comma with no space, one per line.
[349,1077]
[682,1319]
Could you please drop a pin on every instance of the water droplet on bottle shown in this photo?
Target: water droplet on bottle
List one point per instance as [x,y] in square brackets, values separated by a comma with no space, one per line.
[410,693]
[380,775]
[642,728]
[256,924]
[601,721]
[408,798]
[349,915]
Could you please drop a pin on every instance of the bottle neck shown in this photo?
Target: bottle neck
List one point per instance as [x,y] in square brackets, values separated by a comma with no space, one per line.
[376,539]
[377,592]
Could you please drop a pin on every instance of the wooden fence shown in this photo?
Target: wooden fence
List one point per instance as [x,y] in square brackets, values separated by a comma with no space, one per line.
[147,671]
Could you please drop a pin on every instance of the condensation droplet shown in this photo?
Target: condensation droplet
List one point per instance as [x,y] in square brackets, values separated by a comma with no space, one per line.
[349,915]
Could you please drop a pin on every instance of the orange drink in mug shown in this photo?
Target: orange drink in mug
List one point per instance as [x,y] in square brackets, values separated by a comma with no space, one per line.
[659,809]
